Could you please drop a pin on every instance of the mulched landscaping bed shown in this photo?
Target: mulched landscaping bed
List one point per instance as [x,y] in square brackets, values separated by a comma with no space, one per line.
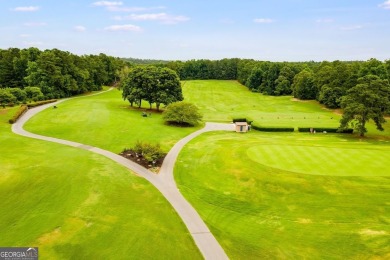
[131,155]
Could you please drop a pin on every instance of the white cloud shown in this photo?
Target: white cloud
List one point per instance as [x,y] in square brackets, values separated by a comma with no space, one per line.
[35,24]
[26,9]
[107,3]
[351,28]
[123,28]
[132,9]
[126,9]
[385,5]
[263,20]
[24,35]
[80,28]
[325,20]
[162,17]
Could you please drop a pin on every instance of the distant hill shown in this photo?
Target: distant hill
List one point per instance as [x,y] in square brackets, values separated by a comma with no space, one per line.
[144,61]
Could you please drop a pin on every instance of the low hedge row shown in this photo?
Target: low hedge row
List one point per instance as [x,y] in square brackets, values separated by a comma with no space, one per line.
[239,120]
[40,103]
[272,129]
[18,114]
[235,120]
[325,129]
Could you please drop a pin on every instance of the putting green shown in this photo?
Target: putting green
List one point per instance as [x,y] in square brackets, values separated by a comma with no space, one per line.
[322,160]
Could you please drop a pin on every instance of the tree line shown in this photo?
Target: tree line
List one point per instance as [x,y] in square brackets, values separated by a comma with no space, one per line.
[55,73]
[32,74]
[60,74]
[360,88]
[324,81]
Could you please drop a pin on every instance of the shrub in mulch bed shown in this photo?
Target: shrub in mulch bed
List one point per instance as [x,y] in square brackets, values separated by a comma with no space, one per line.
[139,159]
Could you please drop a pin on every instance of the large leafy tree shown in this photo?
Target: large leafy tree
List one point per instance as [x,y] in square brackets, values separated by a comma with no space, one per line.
[34,93]
[283,86]
[8,76]
[333,80]
[255,79]
[368,100]
[330,96]
[168,89]
[6,97]
[18,93]
[284,81]
[387,65]
[244,70]
[304,86]
[270,76]
[374,67]
[155,85]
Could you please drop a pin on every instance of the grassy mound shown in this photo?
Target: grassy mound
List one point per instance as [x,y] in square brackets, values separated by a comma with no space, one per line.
[106,121]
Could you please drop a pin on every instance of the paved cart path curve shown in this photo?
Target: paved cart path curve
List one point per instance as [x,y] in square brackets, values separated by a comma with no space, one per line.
[164,181]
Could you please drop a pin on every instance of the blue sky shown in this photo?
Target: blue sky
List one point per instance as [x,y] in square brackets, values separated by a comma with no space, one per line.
[279,30]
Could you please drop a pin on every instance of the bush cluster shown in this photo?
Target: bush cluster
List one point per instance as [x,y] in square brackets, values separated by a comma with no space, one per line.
[272,128]
[18,114]
[182,113]
[40,103]
[325,129]
[151,152]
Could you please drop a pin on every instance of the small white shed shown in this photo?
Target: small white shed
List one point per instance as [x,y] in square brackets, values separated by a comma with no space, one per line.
[241,127]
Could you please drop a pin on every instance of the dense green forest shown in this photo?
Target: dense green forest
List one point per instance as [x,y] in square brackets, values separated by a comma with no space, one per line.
[135,61]
[56,73]
[324,81]
[59,74]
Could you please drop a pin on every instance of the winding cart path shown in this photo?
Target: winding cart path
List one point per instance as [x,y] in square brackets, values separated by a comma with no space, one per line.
[164,181]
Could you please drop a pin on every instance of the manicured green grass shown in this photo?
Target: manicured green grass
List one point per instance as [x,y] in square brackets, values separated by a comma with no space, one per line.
[73,204]
[285,195]
[106,121]
[311,157]
[221,101]
[318,197]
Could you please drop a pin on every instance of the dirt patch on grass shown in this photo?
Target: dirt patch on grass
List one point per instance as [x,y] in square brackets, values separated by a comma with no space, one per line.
[370,232]
[299,100]
[139,159]
[3,111]
[50,237]
[304,221]
[338,111]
